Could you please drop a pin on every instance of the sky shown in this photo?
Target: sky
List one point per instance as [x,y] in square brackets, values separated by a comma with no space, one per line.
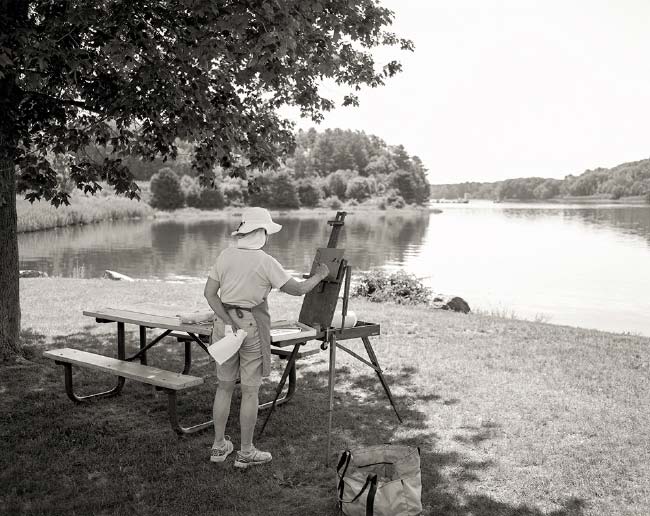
[512,88]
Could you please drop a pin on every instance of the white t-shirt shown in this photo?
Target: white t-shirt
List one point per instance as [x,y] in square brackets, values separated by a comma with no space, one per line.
[247,276]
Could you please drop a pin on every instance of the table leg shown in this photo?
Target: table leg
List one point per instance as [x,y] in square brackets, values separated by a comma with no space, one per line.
[144,349]
[201,344]
[143,345]
[188,357]
[173,416]
[121,353]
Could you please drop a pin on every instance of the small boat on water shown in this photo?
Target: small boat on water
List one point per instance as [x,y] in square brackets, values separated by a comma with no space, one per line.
[452,201]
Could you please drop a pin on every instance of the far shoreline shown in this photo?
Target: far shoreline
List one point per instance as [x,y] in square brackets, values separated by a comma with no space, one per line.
[186,215]
[637,200]
[192,214]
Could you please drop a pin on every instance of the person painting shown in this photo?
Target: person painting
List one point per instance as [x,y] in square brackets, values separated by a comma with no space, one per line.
[236,290]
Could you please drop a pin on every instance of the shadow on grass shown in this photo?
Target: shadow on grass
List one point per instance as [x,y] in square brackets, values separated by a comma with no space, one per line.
[120,456]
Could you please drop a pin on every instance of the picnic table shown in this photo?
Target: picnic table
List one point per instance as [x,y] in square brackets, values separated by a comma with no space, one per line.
[314,324]
[165,320]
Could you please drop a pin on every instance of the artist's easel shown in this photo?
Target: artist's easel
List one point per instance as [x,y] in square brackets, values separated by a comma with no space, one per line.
[318,310]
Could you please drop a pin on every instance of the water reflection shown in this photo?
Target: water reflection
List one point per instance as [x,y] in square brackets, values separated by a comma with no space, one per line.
[150,249]
[629,220]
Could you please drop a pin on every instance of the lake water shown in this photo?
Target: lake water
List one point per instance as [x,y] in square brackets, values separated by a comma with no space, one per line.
[579,265]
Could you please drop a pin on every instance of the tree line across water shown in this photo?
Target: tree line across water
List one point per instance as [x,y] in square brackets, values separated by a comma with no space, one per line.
[625,180]
[326,169]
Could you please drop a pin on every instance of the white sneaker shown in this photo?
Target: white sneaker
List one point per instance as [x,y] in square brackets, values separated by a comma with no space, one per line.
[220,454]
[252,458]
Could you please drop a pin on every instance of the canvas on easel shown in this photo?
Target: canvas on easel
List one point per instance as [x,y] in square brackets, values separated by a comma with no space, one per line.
[319,305]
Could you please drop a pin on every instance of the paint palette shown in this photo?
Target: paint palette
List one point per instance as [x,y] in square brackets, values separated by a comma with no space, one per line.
[287,330]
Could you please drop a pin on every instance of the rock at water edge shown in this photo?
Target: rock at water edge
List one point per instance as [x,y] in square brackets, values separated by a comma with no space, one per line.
[453,303]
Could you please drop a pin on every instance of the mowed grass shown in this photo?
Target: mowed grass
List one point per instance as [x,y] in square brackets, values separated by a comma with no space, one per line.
[83,209]
[513,418]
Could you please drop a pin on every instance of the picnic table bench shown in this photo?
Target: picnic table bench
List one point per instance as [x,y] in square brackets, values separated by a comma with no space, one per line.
[148,316]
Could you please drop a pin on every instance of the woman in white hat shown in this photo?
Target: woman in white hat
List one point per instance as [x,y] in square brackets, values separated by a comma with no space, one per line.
[237,287]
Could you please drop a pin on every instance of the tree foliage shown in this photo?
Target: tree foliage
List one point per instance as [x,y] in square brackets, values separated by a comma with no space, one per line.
[211,199]
[283,193]
[135,77]
[627,179]
[166,190]
[308,193]
[344,159]
[359,189]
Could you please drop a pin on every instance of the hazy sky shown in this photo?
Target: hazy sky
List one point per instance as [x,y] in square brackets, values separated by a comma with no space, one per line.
[501,89]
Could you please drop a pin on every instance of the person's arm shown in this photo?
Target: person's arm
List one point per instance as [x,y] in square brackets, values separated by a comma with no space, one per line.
[300,288]
[211,293]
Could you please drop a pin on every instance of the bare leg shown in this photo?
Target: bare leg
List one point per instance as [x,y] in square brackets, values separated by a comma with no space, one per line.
[248,415]
[221,410]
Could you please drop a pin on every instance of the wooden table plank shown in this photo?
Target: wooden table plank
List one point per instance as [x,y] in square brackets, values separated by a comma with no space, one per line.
[149,320]
[152,320]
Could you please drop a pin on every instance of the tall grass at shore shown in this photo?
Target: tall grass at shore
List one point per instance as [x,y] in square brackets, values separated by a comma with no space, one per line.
[513,418]
[83,209]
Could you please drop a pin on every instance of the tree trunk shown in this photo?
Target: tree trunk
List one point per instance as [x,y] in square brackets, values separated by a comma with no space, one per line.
[14,13]
[9,297]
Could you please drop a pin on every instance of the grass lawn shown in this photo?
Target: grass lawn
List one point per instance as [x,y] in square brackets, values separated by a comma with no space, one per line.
[513,418]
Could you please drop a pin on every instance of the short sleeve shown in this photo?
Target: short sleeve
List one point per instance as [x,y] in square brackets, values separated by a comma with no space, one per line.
[214,271]
[275,273]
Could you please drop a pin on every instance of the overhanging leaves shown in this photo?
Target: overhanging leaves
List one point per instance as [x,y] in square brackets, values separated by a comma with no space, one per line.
[136,75]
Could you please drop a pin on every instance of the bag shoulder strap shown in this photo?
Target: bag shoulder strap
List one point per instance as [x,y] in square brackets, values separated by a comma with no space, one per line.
[371,482]
[344,462]
[370,500]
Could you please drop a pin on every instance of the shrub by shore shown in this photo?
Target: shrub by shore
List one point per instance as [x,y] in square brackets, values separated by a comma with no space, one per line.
[512,417]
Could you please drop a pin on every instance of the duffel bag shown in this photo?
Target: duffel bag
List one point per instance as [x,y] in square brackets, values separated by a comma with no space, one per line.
[381,480]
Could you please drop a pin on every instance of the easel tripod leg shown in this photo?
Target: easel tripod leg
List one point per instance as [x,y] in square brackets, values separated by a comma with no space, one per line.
[287,370]
[373,359]
[332,378]
[291,390]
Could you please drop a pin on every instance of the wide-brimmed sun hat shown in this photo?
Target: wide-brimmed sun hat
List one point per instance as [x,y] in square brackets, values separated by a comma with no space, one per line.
[256,218]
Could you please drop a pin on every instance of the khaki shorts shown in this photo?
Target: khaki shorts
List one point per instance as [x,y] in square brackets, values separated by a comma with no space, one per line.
[247,363]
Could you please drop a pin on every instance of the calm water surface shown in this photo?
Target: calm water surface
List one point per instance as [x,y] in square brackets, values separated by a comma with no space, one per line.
[567,264]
